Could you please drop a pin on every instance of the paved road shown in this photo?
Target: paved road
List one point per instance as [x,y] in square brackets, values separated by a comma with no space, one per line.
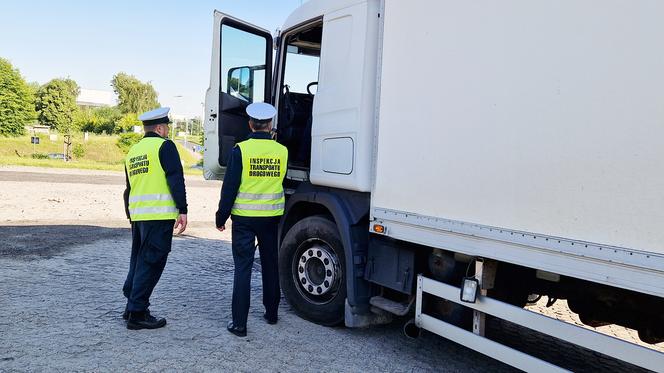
[98,179]
[61,303]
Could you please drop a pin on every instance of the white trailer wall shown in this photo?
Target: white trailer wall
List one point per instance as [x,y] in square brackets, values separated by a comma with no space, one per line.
[537,116]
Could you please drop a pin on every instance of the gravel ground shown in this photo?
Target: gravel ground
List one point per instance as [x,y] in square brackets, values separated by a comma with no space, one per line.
[63,259]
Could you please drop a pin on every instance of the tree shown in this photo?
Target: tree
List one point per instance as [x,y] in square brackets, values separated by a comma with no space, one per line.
[56,104]
[127,123]
[134,96]
[16,101]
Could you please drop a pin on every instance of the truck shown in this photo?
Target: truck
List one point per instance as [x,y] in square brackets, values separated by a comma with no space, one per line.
[457,160]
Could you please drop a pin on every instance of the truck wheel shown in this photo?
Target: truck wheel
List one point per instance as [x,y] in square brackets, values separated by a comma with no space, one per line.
[312,271]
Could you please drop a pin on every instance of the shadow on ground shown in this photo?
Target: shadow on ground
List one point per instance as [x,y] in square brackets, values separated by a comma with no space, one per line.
[34,242]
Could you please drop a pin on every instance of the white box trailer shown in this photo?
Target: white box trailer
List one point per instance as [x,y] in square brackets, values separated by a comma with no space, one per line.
[517,142]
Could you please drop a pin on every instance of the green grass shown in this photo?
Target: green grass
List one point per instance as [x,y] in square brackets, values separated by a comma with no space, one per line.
[101,153]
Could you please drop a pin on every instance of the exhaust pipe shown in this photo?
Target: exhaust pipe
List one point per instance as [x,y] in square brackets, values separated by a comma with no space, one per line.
[411,330]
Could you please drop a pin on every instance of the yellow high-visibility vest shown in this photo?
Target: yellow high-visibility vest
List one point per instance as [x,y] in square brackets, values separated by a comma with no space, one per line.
[149,195]
[264,165]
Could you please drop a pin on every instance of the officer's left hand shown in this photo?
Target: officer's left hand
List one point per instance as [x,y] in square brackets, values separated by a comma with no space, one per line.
[222,228]
[181,222]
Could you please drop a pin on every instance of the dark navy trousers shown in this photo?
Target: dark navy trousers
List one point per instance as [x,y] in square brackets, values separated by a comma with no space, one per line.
[151,243]
[245,231]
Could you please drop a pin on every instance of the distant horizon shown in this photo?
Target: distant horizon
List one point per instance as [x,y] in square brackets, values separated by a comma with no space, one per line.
[68,40]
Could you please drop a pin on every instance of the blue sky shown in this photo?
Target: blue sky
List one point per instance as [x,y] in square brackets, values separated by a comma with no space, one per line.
[165,42]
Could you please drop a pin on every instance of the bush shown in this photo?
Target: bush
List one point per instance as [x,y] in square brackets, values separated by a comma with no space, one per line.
[98,120]
[78,151]
[127,140]
[127,123]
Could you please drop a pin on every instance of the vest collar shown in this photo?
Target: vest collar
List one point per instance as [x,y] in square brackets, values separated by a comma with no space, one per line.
[260,135]
[151,134]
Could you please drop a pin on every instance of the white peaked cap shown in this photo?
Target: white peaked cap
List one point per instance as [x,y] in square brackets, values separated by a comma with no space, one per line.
[261,111]
[156,116]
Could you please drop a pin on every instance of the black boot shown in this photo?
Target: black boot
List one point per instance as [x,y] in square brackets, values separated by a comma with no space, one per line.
[143,320]
[125,314]
[240,332]
[270,320]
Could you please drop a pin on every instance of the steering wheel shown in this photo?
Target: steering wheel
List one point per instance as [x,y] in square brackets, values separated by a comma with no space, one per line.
[309,87]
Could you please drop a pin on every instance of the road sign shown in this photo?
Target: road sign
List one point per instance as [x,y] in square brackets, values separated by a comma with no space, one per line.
[34,140]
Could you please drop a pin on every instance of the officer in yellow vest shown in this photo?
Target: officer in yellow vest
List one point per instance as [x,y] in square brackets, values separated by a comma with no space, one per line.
[253,196]
[156,204]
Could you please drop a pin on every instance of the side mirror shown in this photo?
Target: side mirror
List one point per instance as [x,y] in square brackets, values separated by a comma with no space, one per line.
[240,83]
[246,83]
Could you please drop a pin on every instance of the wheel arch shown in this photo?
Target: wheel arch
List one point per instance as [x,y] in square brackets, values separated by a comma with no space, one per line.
[349,211]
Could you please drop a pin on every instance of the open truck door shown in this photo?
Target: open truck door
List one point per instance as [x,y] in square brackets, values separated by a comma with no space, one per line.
[241,73]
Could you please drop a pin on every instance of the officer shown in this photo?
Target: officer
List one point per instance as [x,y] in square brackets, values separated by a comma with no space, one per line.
[253,196]
[156,204]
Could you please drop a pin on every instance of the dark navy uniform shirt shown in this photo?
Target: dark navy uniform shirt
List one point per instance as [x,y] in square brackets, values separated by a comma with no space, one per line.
[232,180]
[170,162]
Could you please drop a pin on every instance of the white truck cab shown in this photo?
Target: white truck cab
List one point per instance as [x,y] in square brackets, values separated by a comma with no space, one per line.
[335,56]
[453,159]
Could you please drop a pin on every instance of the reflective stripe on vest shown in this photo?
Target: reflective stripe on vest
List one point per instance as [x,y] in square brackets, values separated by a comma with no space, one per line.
[260,196]
[261,192]
[149,195]
[248,206]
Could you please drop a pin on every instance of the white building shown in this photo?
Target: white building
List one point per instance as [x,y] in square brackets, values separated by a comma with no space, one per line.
[91,98]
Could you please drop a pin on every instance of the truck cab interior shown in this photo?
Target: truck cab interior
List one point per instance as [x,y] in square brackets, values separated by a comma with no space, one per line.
[297,86]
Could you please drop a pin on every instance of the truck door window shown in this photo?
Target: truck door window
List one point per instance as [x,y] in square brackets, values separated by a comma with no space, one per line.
[243,64]
[244,77]
[300,70]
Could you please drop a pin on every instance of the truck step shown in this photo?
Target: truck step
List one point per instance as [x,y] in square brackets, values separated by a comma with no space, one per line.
[397,308]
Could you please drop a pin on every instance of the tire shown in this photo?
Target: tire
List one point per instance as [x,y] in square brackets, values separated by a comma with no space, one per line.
[312,271]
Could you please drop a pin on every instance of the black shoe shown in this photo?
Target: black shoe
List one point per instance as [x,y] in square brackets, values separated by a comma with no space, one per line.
[125,314]
[240,332]
[270,320]
[143,320]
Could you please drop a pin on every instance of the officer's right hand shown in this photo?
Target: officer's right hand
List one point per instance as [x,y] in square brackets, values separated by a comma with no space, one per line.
[181,222]
[222,228]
